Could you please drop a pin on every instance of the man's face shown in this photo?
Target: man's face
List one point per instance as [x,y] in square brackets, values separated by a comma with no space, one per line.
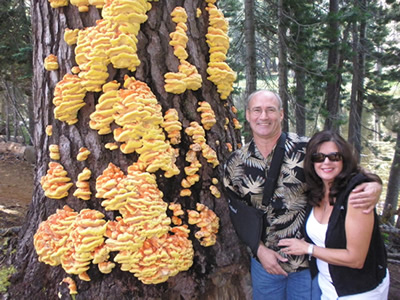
[264,115]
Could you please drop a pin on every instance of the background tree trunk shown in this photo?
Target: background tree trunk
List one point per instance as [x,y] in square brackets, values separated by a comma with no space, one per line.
[357,96]
[393,187]
[282,66]
[250,38]
[333,83]
[218,272]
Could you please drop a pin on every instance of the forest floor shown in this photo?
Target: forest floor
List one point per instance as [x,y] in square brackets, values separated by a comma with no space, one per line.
[16,187]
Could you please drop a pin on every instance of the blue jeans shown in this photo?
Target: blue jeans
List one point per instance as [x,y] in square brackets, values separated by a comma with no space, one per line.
[297,285]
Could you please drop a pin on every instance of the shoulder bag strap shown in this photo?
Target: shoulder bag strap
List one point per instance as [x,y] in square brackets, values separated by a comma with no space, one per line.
[274,169]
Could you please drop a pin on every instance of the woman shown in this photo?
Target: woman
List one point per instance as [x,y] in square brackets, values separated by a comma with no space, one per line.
[345,244]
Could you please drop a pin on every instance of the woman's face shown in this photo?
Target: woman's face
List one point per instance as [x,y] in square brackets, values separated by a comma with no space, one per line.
[327,169]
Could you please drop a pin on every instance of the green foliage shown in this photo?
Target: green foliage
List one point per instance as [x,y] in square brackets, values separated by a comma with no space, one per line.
[5,273]
[15,32]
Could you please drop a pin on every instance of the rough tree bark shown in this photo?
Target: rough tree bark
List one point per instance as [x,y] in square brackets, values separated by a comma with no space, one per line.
[218,272]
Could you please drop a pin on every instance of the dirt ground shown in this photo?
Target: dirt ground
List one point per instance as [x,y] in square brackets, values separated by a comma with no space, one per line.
[16,186]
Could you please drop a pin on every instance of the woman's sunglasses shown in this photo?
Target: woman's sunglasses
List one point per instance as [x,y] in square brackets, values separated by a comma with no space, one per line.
[320,157]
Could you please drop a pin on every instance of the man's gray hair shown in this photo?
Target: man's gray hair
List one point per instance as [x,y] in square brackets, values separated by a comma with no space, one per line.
[280,104]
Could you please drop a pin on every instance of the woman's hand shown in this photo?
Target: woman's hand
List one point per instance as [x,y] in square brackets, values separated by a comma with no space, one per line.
[294,246]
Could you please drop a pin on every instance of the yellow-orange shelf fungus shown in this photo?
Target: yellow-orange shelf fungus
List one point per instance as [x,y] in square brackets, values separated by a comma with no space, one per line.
[91,57]
[108,180]
[49,130]
[199,143]
[72,240]
[54,152]
[214,190]
[71,285]
[185,193]
[50,240]
[68,99]
[50,63]
[214,180]
[128,16]
[83,189]
[56,183]
[97,3]
[87,233]
[83,154]
[179,15]
[229,146]
[75,70]
[198,12]
[111,146]
[207,115]
[234,109]
[160,258]
[141,235]
[106,267]
[172,126]
[140,117]
[236,123]
[177,211]
[210,155]
[174,83]
[58,3]
[71,36]
[217,38]
[207,221]
[179,37]
[83,5]
[192,78]
[190,180]
[103,116]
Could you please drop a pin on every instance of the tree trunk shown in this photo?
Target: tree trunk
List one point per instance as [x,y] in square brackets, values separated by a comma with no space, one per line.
[334,80]
[357,92]
[282,66]
[251,67]
[354,135]
[218,272]
[392,193]
[300,102]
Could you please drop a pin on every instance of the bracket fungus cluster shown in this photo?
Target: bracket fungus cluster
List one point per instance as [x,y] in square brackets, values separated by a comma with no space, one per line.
[68,98]
[217,38]
[83,154]
[56,183]
[50,63]
[207,115]
[148,241]
[83,189]
[207,221]
[54,152]
[187,77]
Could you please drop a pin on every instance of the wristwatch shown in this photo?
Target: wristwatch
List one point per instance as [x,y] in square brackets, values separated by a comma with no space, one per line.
[310,250]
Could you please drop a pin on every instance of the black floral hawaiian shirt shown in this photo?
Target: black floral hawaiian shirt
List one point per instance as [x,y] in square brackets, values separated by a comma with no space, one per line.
[244,174]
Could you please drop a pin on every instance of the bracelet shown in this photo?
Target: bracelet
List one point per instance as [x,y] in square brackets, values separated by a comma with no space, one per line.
[310,250]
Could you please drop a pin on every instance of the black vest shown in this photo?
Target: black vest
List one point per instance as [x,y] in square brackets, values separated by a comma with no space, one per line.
[349,281]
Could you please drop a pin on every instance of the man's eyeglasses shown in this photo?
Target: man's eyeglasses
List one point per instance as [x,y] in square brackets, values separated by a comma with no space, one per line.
[257,111]
[320,157]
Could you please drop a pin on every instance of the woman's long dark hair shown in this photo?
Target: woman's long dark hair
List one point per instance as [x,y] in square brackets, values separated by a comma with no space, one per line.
[316,188]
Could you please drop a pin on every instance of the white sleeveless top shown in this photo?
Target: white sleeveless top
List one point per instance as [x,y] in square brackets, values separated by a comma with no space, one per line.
[317,233]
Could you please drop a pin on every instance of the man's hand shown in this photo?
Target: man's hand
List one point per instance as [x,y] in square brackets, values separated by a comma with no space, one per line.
[269,260]
[366,196]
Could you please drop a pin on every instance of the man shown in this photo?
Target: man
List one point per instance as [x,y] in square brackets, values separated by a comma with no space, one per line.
[274,274]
